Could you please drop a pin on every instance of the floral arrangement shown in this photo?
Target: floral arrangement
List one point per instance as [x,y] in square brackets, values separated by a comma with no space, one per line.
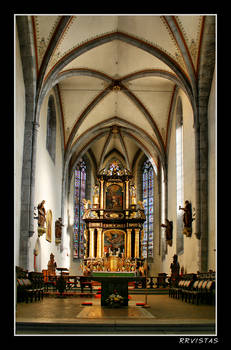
[114,300]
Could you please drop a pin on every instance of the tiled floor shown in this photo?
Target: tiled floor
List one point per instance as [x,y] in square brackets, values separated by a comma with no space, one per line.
[162,310]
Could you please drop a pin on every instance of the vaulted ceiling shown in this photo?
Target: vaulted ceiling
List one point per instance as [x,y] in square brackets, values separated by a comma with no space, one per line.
[116,77]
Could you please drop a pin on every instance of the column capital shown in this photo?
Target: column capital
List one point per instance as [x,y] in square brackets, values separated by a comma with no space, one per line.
[36,125]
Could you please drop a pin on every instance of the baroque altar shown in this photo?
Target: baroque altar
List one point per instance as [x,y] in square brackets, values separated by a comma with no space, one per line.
[113,223]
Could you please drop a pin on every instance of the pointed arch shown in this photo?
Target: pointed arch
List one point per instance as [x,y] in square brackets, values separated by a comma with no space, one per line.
[95,42]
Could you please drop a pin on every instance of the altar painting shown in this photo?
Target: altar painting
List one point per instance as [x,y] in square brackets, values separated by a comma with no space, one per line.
[113,241]
[114,197]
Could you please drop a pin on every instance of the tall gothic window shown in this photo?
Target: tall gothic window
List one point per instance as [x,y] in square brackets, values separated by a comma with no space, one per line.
[79,194]
[148,198]
[179,177]
[51,128]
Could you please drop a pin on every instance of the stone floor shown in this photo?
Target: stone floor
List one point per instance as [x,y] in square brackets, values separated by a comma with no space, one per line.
[163,316]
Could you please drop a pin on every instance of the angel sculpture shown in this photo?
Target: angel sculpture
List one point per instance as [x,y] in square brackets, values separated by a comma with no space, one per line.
[86,203]
[140,205]
[87,209]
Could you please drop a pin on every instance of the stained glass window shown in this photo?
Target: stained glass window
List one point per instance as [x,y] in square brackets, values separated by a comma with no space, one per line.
[79,194]
[51,128]
[148,198]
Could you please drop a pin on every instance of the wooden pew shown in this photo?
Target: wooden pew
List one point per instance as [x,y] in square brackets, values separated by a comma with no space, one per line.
[37,283]
[29,285]
[193,288]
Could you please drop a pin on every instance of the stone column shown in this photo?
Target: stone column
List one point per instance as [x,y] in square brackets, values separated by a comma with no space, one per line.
[32,186]
[128,253]
[91,245]
[137,230]
[27,52]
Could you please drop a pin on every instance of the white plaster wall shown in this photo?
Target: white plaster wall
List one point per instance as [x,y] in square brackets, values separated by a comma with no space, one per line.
[19,126]
[171,193]
[48,187]
[212,199]
[189,258]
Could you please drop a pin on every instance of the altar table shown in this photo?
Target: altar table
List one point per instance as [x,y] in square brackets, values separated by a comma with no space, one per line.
[111,281]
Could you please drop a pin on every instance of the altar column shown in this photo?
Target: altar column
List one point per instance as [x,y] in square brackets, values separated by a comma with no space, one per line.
[91,245]
[99,242]
[141,243]
[86,237]
[101,194]
[129,231]
[127,194]
[137,230]
[102,244]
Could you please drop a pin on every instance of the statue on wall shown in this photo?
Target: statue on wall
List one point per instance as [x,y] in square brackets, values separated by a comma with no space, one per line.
[168,231]
[41,214]
[58,230]
[175,270]
[51,265]
[87,208]
[95,196]
[187,218]
[133,194]
[41,218]
[86,204]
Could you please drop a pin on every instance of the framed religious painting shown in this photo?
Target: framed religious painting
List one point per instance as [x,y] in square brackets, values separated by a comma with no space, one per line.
[114,241]
[114,197]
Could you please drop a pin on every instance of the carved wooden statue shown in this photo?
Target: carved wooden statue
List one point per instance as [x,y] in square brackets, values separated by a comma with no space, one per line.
[168,231]
[175,270]
[51,265]
[187,218]
[133,194]
[41,214]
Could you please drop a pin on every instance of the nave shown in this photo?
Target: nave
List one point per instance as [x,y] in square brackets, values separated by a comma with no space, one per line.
[115,172]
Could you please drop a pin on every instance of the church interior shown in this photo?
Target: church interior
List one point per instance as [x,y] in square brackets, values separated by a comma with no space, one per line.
[115,174]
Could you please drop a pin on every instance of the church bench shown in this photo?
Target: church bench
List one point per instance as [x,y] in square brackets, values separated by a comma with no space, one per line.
[197,289]
[186,289]
[29,285]
[24,287]
[37,283]
[175,291]
[25,290]
[180,289]
[203,292]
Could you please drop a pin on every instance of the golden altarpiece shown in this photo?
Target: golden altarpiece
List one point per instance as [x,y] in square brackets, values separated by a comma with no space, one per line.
[113,223]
